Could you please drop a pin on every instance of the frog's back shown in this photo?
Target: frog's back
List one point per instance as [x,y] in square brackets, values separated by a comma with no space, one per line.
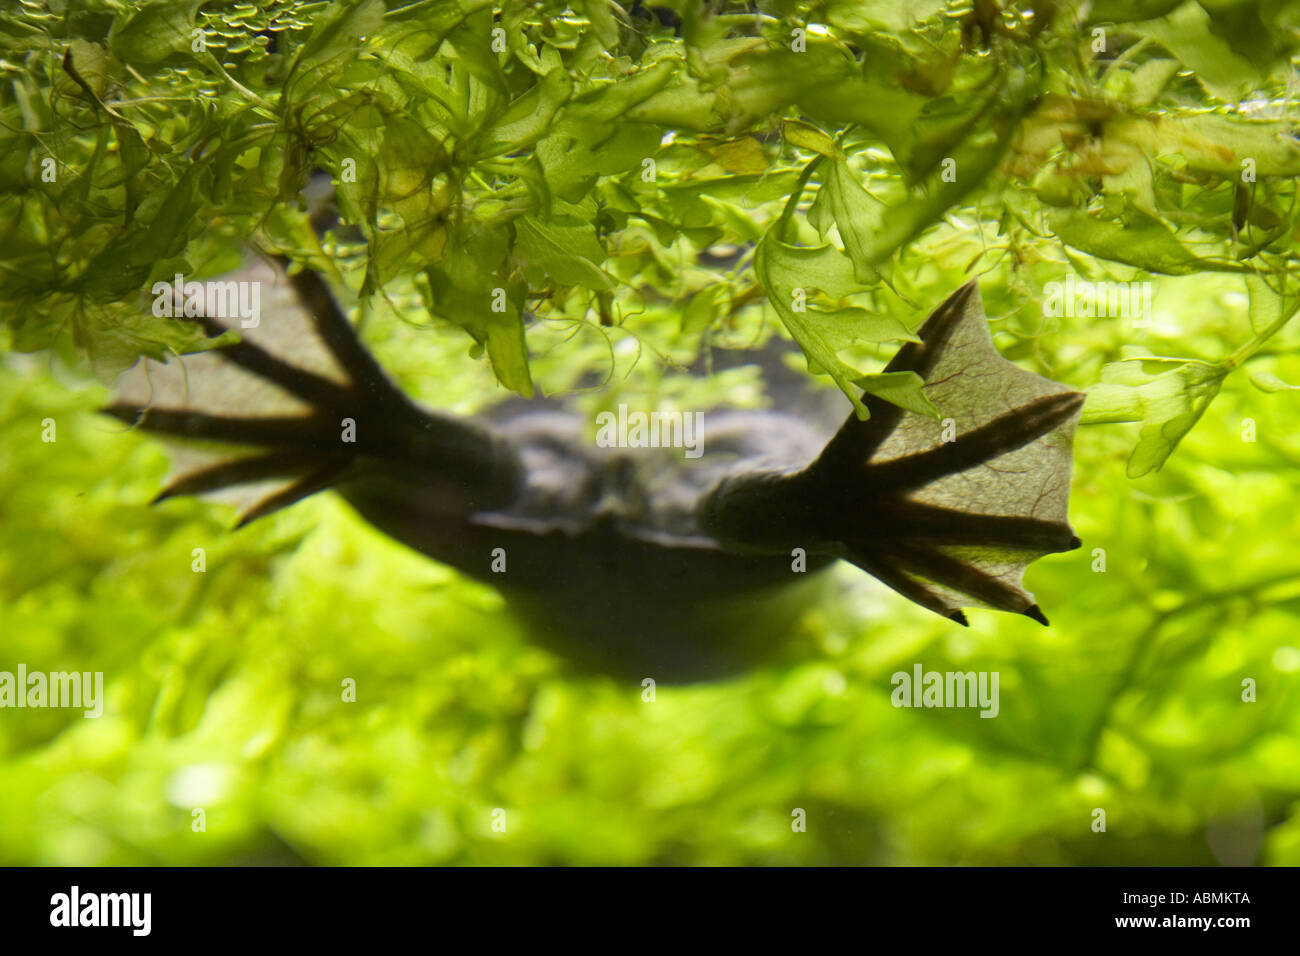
[601,552]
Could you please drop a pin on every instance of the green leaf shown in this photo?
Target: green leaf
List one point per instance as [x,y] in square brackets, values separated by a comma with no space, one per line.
[1143,242]
[704,308]
[1188,33]
[903,389]
[875,233]
[878,15]
[940,128]
[151,32]
[1150,79]
[529,117]
[469,289]
[1121,11]
[841,328]
[806,136]
[408,160]
[858,216]
[471,40]
[1168,396]
[742,156]
[1213,142]
[1265,303]
[783,269]
[508,351]
[612,101]
[336,35]
[566,252]
[1271,383]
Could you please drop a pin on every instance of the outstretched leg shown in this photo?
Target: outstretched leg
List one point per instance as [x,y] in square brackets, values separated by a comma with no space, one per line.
[304,392]
[948,513]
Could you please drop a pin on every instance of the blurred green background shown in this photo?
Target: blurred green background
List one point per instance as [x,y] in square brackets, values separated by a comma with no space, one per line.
[1103,140]
[223,688]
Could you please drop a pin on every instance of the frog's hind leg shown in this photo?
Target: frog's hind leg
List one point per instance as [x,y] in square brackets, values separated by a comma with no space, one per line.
[296,405]
[950,512]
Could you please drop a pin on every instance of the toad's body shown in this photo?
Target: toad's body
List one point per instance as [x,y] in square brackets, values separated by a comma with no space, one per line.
[601,551]
[646,562]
